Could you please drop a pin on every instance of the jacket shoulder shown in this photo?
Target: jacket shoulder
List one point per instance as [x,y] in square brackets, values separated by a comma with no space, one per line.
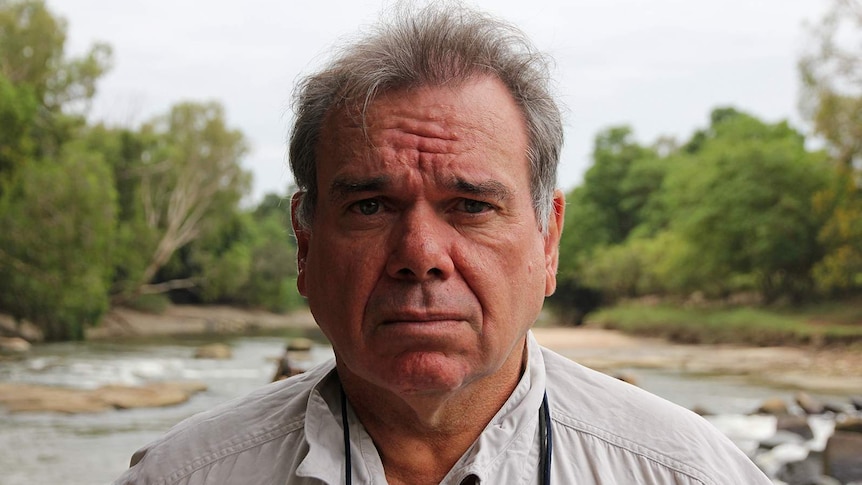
[651,431]
[222,438]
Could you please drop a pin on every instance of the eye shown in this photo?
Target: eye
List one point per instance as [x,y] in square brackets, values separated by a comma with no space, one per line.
[471,206]
[366,207]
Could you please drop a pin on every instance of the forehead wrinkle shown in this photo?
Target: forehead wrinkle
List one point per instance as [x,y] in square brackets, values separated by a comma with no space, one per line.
[435,128]
[400,139]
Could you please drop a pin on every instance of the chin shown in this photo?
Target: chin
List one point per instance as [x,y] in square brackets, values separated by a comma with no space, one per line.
[432,373]
[427,373]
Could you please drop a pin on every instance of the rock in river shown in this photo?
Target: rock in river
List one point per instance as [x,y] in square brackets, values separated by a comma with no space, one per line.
[13,345]
[213,351]
[17,397]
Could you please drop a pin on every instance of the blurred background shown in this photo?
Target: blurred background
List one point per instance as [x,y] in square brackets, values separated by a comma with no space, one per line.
[712,250]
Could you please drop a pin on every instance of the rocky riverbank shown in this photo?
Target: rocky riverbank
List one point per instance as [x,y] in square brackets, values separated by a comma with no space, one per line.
[828,370]
[821,370]
[121,323]
[813,369]
[806,442]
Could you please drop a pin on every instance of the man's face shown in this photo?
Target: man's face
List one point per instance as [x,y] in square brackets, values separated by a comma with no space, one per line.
[425,265]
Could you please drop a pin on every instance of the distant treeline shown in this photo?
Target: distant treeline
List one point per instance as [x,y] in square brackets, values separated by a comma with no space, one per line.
[742,207]
[94,215]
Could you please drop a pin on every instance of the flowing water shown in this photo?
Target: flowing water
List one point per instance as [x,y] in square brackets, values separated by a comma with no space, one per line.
[88,449]
[52,448]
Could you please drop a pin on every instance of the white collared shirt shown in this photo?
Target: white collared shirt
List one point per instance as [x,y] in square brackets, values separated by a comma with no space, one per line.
[604,432]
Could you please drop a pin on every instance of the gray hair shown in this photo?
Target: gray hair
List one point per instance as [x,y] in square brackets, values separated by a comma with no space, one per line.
[436,45]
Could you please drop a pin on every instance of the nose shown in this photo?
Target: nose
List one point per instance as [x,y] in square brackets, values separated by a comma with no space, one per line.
[420,247]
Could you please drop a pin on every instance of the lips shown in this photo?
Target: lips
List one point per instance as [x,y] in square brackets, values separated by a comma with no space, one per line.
[421,318]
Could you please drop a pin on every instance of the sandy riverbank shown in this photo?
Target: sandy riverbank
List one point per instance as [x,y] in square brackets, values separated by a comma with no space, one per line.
[122,323]
[811,369]
[820,370]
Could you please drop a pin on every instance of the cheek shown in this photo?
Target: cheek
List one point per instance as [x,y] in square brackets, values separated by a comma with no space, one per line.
[340,277]
[509,275]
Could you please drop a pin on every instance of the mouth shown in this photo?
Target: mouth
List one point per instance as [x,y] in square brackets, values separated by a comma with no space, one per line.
[423,326]
[422,318]
[428,333]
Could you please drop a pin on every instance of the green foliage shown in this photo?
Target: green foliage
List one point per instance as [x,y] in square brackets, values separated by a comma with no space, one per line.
[186,178]
[841,236]
[55,249]
[248,259]
[32,42]
[57,198]
[18,108]
[272,281]
[221,258]
[729,211]
[643,266]
[744,203]
[134,239]
[831,70]
[614,199]
[618,269]
[616,202]
[32,58]
[140,214]
[155,304]
[91,212]
[753,326]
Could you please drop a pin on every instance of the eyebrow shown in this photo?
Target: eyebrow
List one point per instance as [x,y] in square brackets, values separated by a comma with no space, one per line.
[488,189]
[341,188]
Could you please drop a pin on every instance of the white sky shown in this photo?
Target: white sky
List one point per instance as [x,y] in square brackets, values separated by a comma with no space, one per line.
[660,65]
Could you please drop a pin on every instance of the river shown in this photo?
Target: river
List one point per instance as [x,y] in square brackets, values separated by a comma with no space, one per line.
[88,449]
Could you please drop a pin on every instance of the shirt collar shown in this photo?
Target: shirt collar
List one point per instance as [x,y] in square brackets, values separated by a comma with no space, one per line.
[323,432]
[512,429]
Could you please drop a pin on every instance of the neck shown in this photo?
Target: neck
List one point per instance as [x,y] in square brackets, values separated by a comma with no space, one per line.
[421,437]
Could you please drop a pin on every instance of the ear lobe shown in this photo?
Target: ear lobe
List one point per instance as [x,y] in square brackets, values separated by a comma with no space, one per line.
[302,239]
[552,241]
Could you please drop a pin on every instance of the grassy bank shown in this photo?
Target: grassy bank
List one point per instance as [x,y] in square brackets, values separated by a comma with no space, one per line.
[833,324]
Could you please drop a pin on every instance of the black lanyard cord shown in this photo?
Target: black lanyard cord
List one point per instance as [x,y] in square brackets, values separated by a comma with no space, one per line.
[546,441]
[348,468]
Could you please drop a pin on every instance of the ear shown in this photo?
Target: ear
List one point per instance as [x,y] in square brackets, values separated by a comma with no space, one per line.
[552,241]
[302,238]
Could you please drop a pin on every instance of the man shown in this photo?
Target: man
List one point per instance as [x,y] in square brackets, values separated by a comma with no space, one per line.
[427,226]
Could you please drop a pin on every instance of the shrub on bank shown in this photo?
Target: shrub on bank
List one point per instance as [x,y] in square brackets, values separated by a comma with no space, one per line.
[743,325]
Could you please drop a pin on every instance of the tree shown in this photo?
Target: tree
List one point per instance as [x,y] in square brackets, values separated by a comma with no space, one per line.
[122,149]
[32,58]
[272,279]
[832,100]
[744,203]
[18,108]
[614,198]
[55,247]
[832,79]
[57,198]
[247,259]
[188,172]
[841,235]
